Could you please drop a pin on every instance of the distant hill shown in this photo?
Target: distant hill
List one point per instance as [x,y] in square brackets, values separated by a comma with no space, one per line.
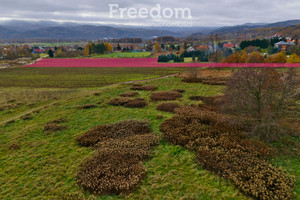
[246,27]
[6,32]
[247,31]
[73,31]
[83,32]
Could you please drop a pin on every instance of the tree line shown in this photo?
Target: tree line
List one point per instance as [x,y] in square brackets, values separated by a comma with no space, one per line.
[261,43]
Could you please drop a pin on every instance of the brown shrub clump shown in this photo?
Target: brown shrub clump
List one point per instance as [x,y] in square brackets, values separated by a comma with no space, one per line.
[139,145]
[86,106]
[191,80]
[116,166]
[165,96]
[144,87]
[120,101]
[207,80]
[54,126]
[223,150]
[128,102]
[136,103]
[111,172]
[129,94]
[168,107]
[114,131]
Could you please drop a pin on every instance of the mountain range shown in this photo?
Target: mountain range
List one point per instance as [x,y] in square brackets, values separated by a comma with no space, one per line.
[53,30]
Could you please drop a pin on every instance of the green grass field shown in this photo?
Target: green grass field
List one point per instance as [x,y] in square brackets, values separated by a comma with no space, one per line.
[77,77]
[123,55]
[45,166]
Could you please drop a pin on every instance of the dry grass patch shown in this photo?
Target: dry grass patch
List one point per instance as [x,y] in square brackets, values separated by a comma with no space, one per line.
[14,146]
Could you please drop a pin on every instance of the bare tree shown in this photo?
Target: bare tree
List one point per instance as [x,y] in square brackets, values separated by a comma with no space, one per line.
[263,95]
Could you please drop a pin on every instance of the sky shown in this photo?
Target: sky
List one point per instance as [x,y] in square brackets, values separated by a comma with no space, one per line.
[202,12]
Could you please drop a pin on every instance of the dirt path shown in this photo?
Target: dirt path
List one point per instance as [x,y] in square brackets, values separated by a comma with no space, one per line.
[19,116]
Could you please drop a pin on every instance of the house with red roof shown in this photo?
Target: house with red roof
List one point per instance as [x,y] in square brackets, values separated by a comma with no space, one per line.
[228,45]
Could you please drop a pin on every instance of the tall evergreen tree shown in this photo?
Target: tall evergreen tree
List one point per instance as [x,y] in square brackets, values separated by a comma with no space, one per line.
[50,53]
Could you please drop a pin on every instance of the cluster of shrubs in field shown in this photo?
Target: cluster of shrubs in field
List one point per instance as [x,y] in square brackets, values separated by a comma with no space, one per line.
[116,166]
[222,148]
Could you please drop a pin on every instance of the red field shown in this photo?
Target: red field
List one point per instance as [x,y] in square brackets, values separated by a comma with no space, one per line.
[142,62]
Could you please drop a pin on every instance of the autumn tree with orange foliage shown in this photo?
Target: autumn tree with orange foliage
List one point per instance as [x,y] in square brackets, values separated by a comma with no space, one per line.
[280,58]
[157,47]
[236,58]
[108,46]
[88,50]
[255,57]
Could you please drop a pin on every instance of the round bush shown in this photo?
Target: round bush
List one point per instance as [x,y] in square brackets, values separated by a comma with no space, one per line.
[168,107]
[129,94]
[165,96]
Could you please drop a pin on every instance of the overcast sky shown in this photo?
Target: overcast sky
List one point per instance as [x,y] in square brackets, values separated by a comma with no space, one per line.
[203,12]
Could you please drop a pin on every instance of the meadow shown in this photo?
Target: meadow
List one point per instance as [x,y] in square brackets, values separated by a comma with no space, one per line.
[60,77]
[40,165]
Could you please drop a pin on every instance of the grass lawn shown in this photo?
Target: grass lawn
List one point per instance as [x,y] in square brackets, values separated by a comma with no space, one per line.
[45,166]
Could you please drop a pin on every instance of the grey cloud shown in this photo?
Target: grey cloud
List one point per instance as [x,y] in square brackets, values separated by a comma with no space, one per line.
[204,12]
